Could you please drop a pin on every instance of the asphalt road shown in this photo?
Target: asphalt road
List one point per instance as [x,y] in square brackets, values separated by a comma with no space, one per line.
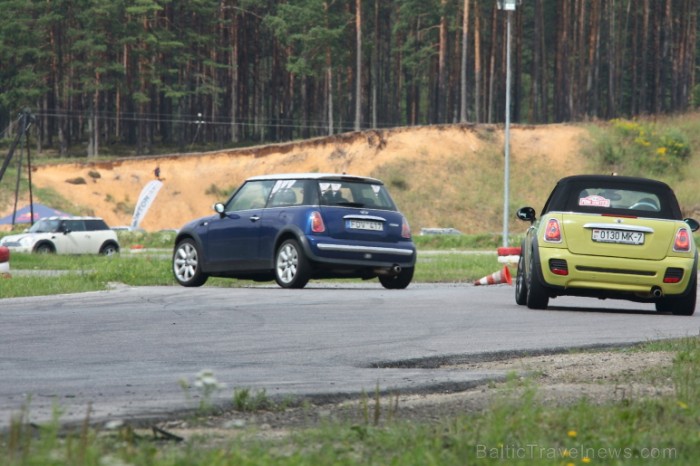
[123,353]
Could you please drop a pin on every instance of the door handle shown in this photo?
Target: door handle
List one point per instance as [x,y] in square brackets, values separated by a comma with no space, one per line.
[254,218]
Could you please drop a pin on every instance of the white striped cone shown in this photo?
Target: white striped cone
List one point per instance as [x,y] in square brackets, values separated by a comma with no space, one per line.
[502,276]
[4,262]
[509,255]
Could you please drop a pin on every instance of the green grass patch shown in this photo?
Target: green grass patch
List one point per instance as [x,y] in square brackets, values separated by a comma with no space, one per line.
[441,258]
[47,274]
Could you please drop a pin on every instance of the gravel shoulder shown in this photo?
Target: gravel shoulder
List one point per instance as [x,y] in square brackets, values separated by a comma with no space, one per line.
[599,376]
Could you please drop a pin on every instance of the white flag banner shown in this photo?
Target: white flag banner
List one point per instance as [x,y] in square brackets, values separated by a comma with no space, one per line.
[148,194]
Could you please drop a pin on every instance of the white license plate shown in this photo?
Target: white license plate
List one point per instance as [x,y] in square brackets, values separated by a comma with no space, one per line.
[364,225]
[618,236]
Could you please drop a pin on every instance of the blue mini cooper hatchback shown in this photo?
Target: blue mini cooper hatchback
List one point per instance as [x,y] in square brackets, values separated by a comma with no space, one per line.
[294,227]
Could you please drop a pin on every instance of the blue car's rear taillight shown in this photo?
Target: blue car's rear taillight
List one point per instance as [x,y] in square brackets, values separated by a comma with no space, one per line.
[316,221]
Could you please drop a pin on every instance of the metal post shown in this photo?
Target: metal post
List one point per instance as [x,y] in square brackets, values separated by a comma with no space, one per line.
[506,181]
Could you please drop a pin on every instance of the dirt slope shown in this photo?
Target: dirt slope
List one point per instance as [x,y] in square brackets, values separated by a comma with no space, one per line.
[453,158]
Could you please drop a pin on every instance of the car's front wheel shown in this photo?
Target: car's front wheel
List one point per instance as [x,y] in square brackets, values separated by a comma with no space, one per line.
[292,268]
[44,248]
[186,264]
[398,281]
[537,297]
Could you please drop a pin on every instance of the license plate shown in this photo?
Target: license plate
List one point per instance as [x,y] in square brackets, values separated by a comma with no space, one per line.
[618,236]
[364,225]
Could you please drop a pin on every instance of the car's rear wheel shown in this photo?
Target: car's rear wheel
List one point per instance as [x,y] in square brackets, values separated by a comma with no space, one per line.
[109,249]
[682,306]
[186,265]
[520,285]
[44,248]
[292,268]
[398,281]
[537,297]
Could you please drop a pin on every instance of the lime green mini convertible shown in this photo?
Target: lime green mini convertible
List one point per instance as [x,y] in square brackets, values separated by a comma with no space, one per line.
[609,237]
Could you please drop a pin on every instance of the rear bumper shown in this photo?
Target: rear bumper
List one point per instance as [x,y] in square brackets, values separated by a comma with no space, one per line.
[611,277]
[360,254]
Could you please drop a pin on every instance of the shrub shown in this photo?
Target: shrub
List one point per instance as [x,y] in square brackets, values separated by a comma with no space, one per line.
[635,148]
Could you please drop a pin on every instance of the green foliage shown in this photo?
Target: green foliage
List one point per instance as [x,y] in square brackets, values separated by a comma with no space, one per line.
[643,149]
[76,180]
[441,258]
[206,386]
[46,274]
[485,241]
[310,28]
[218,193]
[247,401]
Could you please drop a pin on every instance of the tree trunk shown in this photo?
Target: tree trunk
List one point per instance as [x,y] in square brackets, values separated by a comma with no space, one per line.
[477,65]
[463,65]
[441,99]
[329,78]
[492,67]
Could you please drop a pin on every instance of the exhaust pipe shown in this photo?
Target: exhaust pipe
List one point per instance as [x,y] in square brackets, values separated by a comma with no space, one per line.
[656,292]
[393,270]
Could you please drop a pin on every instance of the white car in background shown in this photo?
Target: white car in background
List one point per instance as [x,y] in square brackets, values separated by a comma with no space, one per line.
[65,235]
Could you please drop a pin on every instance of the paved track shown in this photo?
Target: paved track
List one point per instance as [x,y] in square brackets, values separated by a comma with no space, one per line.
[124,352]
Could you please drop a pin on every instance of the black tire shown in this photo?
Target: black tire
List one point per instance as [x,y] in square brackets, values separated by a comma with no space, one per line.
[292,268]
[109,249]
[520,285]
[397,282]
[682,306]
[537,297]
[45,248]
[186,265]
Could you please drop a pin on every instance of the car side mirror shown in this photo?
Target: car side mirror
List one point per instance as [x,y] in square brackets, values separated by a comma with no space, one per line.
[526,214]
[692,223]
[220,209]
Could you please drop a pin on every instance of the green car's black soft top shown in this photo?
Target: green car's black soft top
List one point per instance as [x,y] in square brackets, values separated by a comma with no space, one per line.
[565,195]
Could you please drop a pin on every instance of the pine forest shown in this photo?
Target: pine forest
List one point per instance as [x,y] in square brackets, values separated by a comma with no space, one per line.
[150,73]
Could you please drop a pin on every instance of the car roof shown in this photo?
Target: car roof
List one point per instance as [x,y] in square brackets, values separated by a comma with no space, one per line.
[316,176]
[561,196]
[611,179]
[69,217]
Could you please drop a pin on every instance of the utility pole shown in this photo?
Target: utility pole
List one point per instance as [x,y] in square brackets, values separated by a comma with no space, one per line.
[509,6]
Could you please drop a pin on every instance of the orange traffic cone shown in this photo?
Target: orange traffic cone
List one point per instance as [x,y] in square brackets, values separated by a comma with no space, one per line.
[502,276]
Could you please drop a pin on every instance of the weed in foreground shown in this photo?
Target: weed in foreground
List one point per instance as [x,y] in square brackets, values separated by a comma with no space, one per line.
[206,386]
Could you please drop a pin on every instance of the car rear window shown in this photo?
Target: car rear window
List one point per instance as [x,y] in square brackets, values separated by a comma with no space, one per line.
[638,200]
[355,194]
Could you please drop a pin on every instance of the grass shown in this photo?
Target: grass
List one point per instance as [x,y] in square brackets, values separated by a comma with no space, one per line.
[518,427]
[438,261]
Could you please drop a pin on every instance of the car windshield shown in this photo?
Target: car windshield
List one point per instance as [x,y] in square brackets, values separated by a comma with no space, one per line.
[45,226]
